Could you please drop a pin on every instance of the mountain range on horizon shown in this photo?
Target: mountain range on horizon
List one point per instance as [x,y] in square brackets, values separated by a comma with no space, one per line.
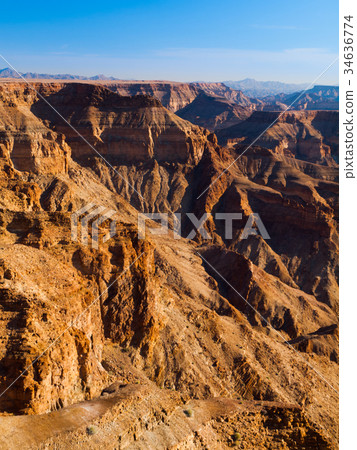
[261,89]
[11,73]
[249,86]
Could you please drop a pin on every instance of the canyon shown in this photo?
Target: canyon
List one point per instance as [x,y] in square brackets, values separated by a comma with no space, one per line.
[306,135]
[164,342]
[256,95]
[315,98]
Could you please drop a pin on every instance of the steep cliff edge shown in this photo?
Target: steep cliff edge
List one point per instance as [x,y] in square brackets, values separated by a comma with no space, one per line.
[32,145]
[175,96]
[171,95]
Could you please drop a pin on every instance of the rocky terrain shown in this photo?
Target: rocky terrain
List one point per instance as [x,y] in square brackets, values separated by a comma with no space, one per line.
[214,112]
[172,95]
[250,93]
[306,135]
[316,98]
[160,342]
[176,96]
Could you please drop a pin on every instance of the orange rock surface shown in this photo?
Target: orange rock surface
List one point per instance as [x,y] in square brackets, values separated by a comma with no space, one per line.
[193,365]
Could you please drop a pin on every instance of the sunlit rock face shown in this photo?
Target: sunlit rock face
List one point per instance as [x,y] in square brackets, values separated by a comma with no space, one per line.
[148,321]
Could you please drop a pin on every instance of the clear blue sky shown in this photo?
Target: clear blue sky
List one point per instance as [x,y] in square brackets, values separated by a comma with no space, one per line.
[291,41]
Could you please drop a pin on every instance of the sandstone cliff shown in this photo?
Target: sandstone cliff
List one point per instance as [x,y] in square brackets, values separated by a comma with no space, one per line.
[175,96]
[105,120]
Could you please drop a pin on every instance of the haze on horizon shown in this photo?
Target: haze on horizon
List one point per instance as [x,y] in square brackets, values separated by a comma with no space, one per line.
[183,41]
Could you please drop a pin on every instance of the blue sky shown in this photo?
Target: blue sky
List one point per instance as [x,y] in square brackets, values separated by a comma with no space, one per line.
[291,41]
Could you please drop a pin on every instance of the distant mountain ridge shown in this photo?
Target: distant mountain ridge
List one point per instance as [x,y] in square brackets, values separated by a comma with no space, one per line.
[260,89]
[10,73]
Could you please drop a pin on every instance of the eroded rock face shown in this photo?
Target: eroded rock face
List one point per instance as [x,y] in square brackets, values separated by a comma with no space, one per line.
[161,314]
[33,318]
[172,96]
[307,135]
[92,119]
[317,98]
[175,96]
[214,112]
[27,140]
